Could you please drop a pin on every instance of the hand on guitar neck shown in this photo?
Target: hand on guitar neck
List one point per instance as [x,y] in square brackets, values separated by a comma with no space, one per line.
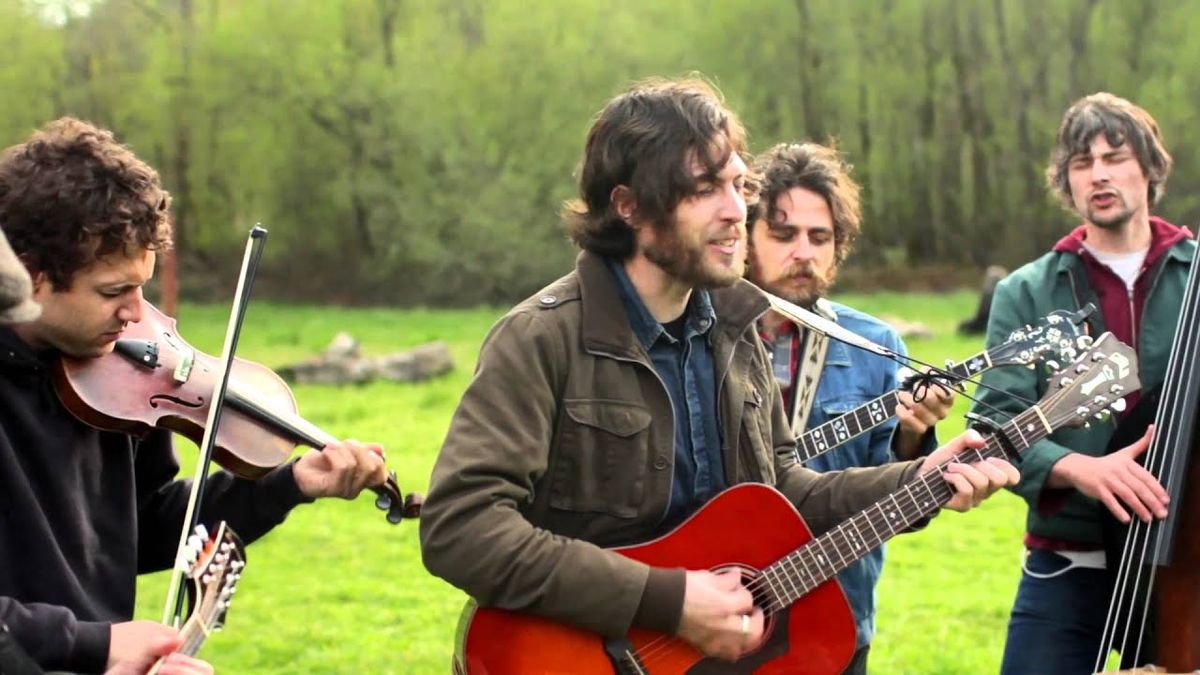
[135,647]
[974,482]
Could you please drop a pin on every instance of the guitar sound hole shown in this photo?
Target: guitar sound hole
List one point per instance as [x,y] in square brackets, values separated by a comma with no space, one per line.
[758,590]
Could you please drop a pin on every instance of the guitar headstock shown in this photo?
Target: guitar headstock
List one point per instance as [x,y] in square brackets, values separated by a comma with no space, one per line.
[1096,382]
[214,575]
[1059,335]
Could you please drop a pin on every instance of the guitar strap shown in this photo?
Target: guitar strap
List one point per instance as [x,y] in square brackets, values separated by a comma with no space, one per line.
[814,347]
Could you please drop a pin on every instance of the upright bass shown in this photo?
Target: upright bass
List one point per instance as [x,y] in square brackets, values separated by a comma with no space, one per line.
[1154,616]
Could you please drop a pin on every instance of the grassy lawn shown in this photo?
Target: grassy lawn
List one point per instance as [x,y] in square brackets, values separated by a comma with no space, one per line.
[336,589]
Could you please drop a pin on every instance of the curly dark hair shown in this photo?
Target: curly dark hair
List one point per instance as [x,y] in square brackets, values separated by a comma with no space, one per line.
[818,168]
[1121,122]
[71,194]
[644,139]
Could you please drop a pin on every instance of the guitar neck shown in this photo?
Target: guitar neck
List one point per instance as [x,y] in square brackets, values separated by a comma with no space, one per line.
[821,439]
[819,560]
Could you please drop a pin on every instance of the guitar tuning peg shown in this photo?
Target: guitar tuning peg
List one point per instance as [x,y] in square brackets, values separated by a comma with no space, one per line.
[1085,341]
[1118,405]
[1065,382]
[1053,366]
[1103,415]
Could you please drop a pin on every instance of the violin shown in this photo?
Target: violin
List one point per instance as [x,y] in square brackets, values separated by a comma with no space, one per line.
[154,379]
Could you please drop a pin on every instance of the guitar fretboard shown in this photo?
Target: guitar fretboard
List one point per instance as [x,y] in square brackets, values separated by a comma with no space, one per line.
[819,440]
[819,560]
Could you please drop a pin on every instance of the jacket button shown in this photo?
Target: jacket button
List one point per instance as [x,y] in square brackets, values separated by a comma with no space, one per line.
[660,463]
[547,299]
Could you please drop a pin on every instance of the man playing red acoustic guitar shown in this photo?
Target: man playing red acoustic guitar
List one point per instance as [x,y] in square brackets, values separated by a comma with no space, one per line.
[608,407]
[85,511]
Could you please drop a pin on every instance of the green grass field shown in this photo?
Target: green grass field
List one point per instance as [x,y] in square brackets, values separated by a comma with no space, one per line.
[336,589]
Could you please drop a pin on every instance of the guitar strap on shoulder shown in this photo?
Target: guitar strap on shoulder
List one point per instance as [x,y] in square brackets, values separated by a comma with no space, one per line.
[814,349]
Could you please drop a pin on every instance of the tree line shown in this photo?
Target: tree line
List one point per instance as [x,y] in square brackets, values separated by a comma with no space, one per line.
[417,152]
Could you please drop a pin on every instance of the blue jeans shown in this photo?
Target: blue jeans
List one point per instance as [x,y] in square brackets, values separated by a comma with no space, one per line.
[1057,623]
[858,663]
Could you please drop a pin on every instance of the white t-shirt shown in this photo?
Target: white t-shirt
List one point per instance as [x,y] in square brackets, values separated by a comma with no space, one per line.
[1124,265]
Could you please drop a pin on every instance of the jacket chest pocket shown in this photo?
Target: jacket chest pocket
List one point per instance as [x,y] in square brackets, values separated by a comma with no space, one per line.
[600,457]
[757,447]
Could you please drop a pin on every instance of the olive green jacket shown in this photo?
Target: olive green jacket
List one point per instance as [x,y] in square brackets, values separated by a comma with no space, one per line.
[563,444]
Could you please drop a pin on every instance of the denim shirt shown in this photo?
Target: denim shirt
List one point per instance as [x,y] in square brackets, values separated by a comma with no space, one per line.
[687,371]
[852,377]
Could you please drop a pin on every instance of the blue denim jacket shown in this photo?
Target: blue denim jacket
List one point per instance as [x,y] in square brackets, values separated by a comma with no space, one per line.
[852,377]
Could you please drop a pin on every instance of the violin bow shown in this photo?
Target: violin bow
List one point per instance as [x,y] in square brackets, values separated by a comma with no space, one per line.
[255,242]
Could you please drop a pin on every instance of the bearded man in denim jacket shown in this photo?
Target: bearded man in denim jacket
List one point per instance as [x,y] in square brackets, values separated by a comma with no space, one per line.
[803,227]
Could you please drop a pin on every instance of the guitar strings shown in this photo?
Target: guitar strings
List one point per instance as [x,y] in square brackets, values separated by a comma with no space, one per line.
[664,645]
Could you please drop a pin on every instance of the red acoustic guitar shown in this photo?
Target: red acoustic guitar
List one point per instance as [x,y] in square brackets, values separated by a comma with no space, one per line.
[753,528]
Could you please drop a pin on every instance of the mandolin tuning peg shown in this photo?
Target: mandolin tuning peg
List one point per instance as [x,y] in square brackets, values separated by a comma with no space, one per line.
[1118,405]
[1085,341]
[1103,415]
[1053,366]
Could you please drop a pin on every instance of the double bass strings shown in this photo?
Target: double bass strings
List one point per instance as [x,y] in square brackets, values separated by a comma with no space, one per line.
[1137,571]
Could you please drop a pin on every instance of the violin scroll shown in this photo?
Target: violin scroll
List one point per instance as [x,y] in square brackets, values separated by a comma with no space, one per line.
[398,506]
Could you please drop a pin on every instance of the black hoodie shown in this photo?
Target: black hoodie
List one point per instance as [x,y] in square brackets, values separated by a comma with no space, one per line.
[83,512]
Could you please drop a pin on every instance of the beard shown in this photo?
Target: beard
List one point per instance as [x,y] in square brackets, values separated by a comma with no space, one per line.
[687,261]
[816,286]
[1113,221]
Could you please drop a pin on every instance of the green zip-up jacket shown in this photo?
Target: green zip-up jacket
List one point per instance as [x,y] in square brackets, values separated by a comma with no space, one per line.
[1059,280]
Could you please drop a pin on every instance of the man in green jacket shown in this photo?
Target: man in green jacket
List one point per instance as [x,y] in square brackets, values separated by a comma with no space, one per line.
[609,406]
[1109,166]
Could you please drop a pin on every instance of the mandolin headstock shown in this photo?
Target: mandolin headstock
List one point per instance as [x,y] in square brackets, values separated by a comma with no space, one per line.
[213,576]
[1059,335]
[1092,385]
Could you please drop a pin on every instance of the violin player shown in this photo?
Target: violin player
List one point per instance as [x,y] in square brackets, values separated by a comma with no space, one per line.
[83,511]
